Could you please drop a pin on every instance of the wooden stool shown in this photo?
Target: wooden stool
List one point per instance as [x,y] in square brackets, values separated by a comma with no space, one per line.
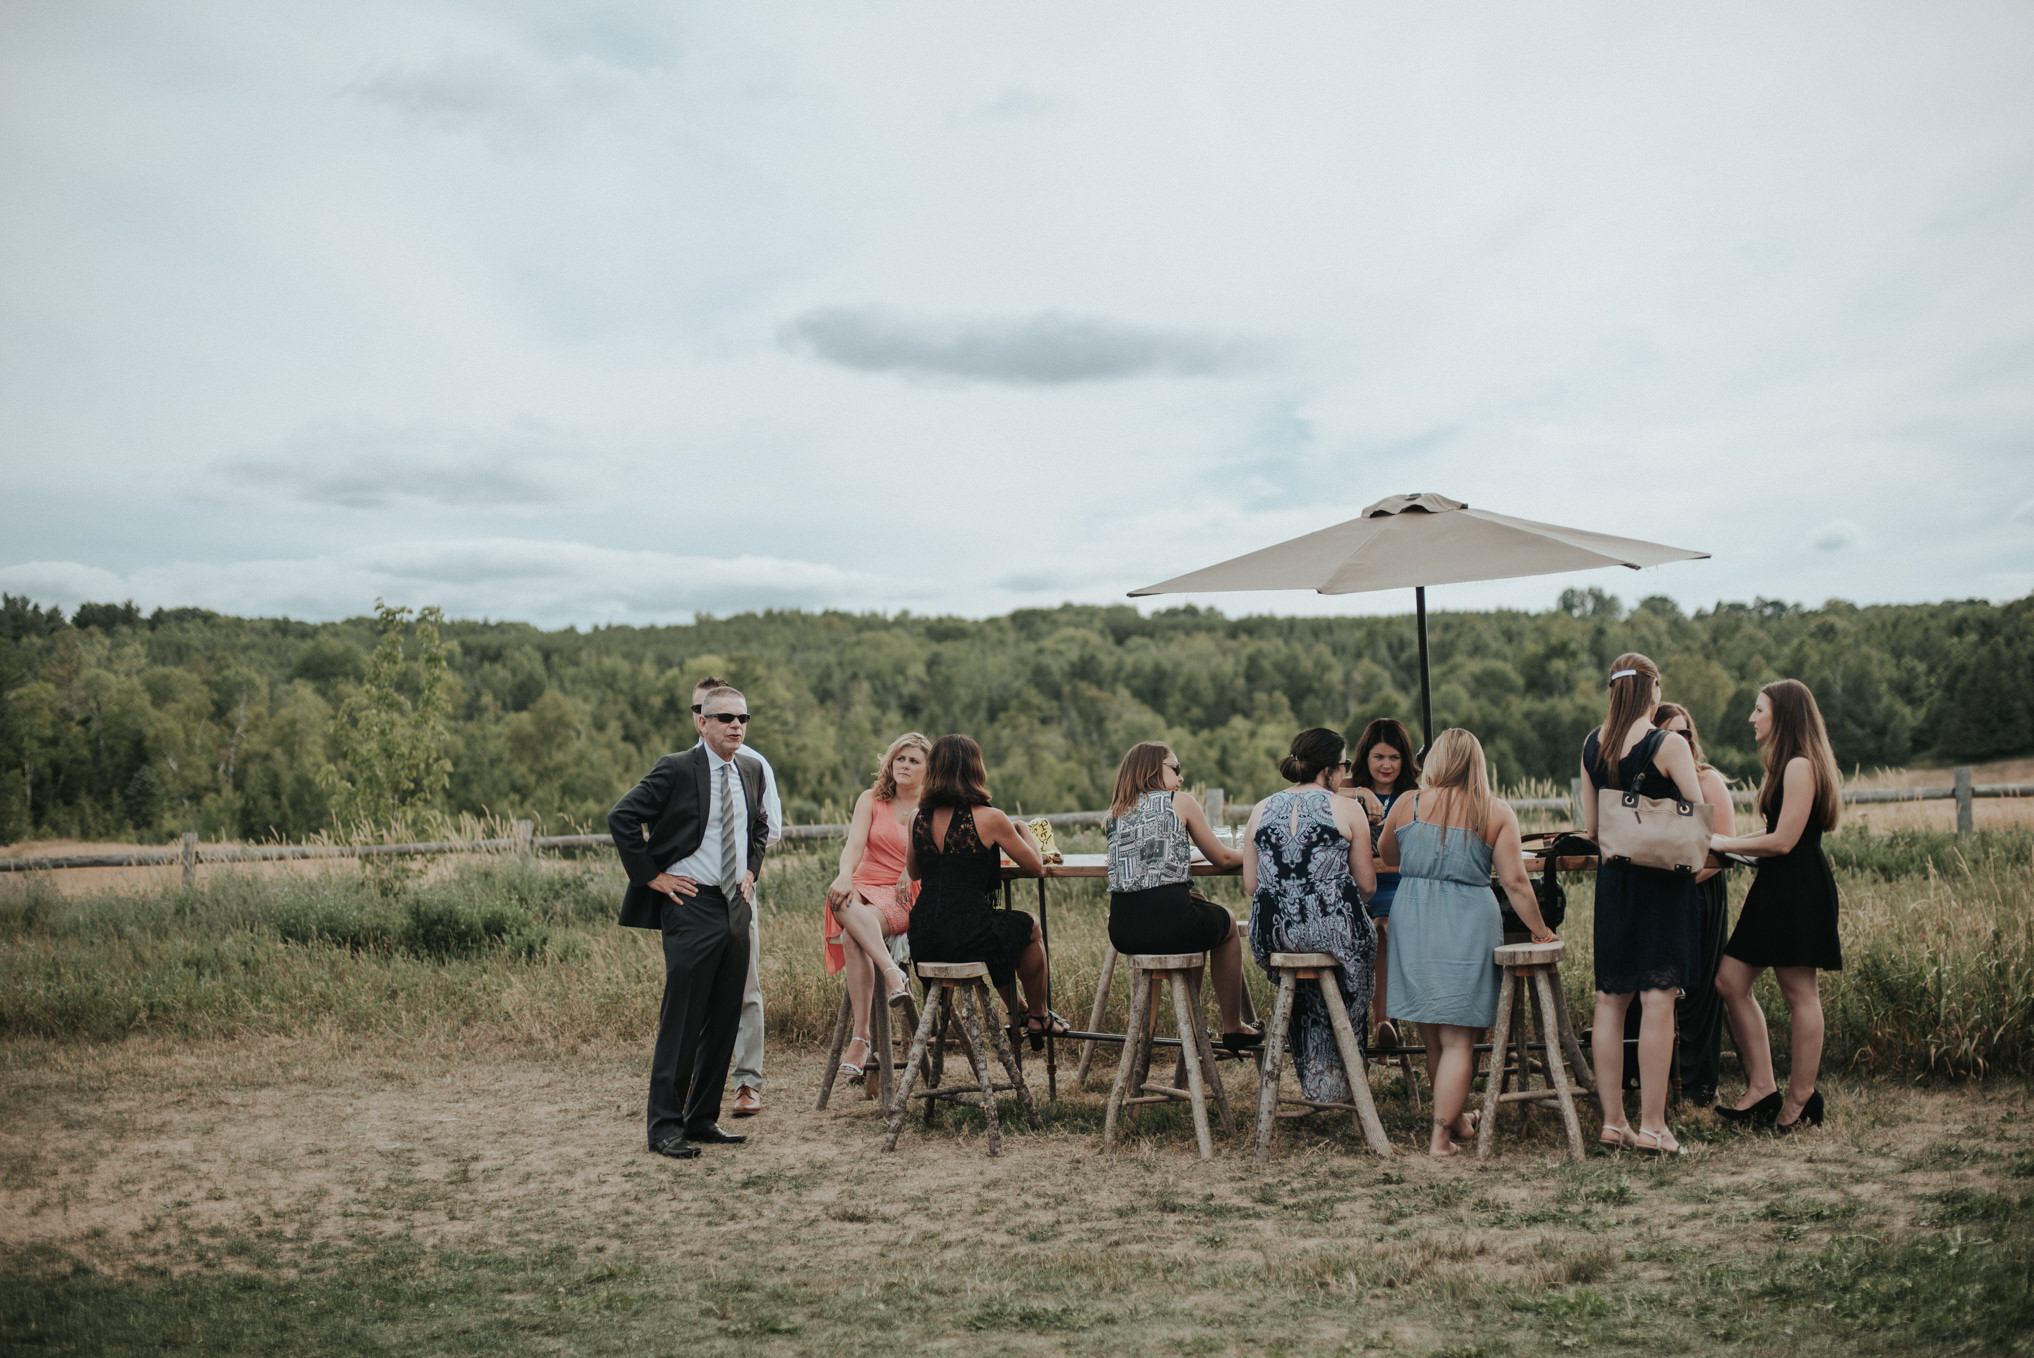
[1318,967]
[1540,965]
[1109,956]
[969,983]
[881,1047]
[1133,1088]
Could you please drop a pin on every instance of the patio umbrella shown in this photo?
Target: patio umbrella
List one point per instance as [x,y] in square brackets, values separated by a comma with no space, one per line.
[1417,541]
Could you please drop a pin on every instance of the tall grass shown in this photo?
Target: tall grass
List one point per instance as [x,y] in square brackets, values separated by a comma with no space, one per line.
[1938,939]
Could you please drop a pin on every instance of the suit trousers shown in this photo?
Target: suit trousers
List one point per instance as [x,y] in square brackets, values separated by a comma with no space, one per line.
[748,1052]
[706,962]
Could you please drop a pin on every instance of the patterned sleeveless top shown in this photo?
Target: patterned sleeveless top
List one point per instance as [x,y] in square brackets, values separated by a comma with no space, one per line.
[1148,846]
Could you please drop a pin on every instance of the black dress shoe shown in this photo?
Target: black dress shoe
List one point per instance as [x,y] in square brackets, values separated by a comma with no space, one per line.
[712,1135]
[1764,1111]
[677,1147]
[1251,1038]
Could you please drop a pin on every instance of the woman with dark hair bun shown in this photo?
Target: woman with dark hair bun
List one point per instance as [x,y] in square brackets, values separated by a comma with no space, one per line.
[1384,767]
[1307,867]
[957,843]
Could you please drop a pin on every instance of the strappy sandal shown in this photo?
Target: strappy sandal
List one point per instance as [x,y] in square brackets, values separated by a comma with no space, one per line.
[1618,1138]
[1039,1027]
[900,990]
[1385,1038]
[1249,1038]
[1664,1142]
[848,1068]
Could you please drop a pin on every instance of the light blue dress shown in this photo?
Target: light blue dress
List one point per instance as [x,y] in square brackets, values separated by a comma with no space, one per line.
[1445,924]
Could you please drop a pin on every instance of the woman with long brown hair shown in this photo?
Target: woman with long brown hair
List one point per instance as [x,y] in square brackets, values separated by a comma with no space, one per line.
[957,843]
[1788,921]
[870,901]
[1153,825]
[1647,921]
[1698,1015]
[1383,769]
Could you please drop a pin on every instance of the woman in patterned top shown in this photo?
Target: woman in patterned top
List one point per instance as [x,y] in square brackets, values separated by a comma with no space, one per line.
[1306,865]
[1152,827]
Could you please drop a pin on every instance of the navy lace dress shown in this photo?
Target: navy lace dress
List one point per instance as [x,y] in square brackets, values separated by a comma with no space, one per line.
[1306,901]
[956,919]
[1648,922]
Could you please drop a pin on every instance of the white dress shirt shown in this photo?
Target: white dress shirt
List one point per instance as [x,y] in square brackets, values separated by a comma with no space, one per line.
[702,865]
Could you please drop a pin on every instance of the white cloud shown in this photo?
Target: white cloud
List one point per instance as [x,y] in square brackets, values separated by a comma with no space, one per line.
[2024,514]
[367,465]
[1837,535]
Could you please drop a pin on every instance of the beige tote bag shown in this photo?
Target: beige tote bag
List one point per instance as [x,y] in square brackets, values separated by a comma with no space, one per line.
[1653,832]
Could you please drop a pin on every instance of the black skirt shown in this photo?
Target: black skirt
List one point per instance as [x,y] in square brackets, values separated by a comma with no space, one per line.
[1789,915]
[1166,919]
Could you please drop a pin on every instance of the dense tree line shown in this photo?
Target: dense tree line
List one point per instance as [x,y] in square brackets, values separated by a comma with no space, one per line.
[120,725]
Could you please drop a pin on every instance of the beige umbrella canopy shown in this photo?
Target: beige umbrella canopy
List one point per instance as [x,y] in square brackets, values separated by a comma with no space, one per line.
[1415,541]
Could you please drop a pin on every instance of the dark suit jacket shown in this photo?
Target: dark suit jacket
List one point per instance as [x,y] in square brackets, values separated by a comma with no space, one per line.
[670,804]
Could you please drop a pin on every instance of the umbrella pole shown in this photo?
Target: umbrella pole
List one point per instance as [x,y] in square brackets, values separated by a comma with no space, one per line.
[1426,698]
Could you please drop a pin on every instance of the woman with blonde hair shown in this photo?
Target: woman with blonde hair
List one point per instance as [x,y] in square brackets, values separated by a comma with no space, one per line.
[1788,921]
[1647,921]
[1446,925]
[1698,1016]
[1153,825]
[870,901]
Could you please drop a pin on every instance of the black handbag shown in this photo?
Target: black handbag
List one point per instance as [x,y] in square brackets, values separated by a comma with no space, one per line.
[1547,890]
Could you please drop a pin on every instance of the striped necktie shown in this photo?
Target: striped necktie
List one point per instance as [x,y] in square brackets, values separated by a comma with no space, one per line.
[730,847]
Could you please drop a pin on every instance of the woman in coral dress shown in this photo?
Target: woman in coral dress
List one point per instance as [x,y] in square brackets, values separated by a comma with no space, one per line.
[870,901]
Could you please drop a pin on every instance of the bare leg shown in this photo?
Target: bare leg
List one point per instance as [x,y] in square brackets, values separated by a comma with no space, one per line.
[1655,1058]
[1226,962]
[1377,1010]
[1031,972]
[1453,1068]
[1804,1005]
[1748,1028]
[864,924]
[860,974]
[1607,1041]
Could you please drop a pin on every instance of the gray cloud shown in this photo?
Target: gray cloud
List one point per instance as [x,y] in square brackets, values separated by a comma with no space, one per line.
[512,102]
[1835,536]
[369,466]
[1013,105]
[2024,514]
[1049,349]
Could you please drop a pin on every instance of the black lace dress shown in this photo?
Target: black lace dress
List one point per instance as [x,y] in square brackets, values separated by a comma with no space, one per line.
[956,919]
[1789,916]
[1648,922]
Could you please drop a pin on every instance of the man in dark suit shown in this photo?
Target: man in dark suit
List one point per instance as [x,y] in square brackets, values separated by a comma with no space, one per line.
[691,837]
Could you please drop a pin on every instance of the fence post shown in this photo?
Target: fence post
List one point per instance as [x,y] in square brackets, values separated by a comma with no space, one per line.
[1217,799]
[1575,791]
[1963,817]
[524,832]
[190,858]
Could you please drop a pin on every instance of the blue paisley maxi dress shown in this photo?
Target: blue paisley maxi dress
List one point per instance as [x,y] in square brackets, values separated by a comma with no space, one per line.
[1306,901]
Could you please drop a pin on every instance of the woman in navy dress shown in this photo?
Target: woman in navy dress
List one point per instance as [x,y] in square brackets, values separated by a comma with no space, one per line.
[1384,769]
[1788,921]
[1648,922]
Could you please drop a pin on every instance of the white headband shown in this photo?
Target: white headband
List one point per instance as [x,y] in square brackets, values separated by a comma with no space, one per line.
[1621,674]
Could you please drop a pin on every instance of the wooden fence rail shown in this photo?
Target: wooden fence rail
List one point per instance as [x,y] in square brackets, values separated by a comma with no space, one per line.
[190,853]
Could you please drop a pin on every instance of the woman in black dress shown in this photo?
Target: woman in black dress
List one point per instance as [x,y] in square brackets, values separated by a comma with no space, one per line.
[1699,1013]
[957,844]
[1788,921]
[1647,921]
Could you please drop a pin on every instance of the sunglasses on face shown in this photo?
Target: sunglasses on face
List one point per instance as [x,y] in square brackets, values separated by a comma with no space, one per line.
[1172,766]
[725,717]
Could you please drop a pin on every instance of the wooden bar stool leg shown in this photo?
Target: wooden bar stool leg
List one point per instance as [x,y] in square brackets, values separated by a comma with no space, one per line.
[1494,1084]
[879,1038]
[1577,1062]
[912,1065]
[1352,1065]
[1412,1081]
[911,1017]
[1216,1085]
[1126,1064]
[1190,1057]
[1544,982]
[1008,1057]
[976,1044]
[840,1027]
[1274,1058]
[944,1004]
[1095,1017]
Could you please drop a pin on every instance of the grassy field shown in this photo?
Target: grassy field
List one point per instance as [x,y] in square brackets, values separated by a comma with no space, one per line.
[310,1115]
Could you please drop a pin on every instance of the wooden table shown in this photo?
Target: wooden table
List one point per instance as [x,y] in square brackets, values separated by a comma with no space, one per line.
[1075,865]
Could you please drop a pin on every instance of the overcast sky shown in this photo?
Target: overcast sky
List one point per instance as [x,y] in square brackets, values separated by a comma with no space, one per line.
[600,312]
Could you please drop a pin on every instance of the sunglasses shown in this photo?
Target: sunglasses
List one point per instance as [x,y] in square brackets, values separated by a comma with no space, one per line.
[1169,765]
[725,717]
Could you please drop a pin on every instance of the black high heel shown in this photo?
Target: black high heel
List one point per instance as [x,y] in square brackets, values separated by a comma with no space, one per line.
[1811,1113]
[1250,1039]
[1764,1111]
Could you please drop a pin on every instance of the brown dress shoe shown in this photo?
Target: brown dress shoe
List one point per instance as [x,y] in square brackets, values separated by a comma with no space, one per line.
[748,1102]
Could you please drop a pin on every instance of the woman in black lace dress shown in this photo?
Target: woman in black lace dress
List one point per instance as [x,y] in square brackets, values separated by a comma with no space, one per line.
[1648,923]
[1788,920]
[957,843]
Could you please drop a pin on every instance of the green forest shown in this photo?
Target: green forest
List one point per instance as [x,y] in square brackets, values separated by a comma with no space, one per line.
[124,726]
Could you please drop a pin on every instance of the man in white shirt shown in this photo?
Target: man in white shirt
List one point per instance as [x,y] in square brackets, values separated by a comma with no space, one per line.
[748,1051]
